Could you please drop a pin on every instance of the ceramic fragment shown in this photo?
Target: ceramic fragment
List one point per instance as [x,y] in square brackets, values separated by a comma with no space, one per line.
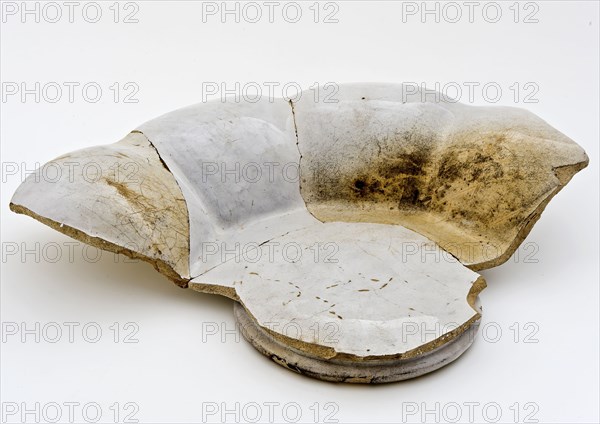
[409,195]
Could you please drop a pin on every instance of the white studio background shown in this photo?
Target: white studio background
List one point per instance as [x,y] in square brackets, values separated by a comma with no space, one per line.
[538,356]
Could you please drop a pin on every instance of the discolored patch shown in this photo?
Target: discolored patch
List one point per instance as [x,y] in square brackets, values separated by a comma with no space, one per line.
[475,188]
[132,203]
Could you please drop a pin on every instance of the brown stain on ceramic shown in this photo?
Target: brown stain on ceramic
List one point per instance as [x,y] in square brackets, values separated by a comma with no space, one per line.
[474,194]
[152,223]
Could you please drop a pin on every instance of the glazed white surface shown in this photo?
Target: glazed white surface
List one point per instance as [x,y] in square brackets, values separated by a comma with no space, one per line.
[81,189]
[361,289]
[229,162]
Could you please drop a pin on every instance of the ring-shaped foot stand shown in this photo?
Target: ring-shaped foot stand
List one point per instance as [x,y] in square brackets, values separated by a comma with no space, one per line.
[372,371]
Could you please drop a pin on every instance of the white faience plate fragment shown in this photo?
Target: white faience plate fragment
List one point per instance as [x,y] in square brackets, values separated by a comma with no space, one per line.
[347,231]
